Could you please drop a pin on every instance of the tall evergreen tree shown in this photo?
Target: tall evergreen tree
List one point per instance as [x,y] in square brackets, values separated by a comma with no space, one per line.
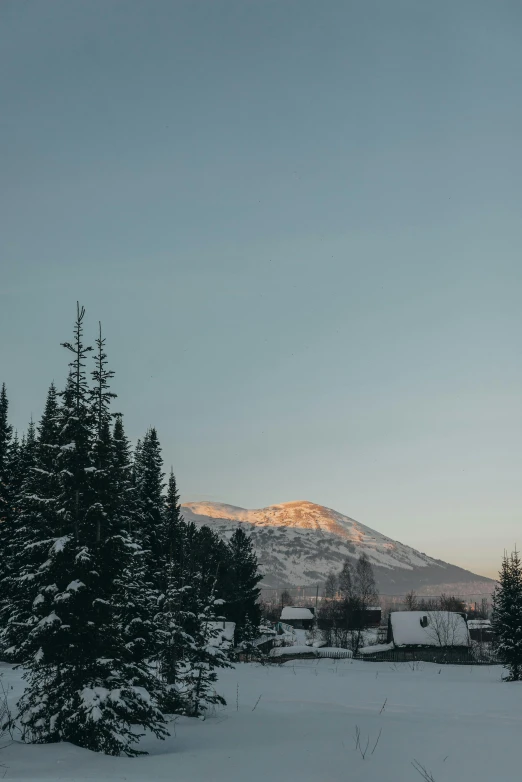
[242,597]
[125,489]
[6,504]
[507,614]
[6,433]
[83,685]
[15,472]
[149,477]
[171,618]
[23,551]
[204,557]
[203,654]
[136,599]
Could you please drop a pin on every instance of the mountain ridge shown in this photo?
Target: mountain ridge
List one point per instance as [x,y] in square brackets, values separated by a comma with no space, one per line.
[299,542]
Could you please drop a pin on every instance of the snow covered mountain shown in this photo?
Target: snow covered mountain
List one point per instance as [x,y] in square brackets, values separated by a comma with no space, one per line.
[298,543]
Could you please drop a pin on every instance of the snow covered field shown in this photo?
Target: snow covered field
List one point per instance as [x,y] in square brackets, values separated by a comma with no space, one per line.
[461,723]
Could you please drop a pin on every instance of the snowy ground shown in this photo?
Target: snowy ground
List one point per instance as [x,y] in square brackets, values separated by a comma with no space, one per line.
[461,723]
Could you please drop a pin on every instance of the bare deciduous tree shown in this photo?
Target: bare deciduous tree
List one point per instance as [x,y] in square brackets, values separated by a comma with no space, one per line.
[330,586]
[346,580]
[445,628]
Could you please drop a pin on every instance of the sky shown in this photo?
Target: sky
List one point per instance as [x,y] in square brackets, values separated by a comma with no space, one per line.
[299,224]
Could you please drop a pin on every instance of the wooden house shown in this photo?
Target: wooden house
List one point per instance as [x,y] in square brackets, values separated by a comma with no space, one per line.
[432,636]
[297,617]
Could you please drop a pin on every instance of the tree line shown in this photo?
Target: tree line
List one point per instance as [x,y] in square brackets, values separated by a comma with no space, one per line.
[108,598]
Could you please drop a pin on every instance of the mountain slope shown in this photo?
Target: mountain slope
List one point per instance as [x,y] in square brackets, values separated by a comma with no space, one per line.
[298,543]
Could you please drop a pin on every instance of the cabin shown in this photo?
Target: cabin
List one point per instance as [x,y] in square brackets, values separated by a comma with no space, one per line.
[298,618]
[431,636]
[481,630]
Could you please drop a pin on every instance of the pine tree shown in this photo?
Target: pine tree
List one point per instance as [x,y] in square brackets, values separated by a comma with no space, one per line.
[149,489]
[173,617]
[135,593]
[241,599]
[83,685]
[27,550]
[6,505]
[15,472]
[203,656]
[6,433]
[507,614]
[124,475]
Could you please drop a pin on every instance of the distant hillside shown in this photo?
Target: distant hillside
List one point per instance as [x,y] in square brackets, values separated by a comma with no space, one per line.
[298,543]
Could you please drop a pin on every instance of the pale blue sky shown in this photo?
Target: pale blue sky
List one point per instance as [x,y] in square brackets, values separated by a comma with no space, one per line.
[300,224]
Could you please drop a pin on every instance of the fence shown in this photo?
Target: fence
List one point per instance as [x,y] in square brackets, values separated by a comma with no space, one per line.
[411,656]
[432,655]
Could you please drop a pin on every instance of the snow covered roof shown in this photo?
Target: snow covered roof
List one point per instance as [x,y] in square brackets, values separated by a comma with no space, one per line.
[292,612]
[429,628]
[479,624]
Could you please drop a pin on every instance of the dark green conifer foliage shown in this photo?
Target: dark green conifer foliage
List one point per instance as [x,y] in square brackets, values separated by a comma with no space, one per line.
[149,486]
[242,596]
[170,618]
[203,655]
[23,552]
[507,614]
[6,505]
[135,597]
[83,685]
[6,434]
[15,473]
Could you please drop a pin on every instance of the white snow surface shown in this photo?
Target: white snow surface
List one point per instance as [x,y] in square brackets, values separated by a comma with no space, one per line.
[444,628]
[460,723]
[294,612]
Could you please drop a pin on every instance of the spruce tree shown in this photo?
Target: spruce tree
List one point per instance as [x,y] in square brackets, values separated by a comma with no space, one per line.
[172,617]
[124,477]
[6,433]
[149,492]
[507,615]
[6,505]
[15,472]
[135,595]
[83,685]
[242,597]
[204,557]
[203,656]
[27,549]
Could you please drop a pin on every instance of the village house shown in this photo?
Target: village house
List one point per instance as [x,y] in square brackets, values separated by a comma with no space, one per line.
[481,630]
[431,636]
[298,618]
